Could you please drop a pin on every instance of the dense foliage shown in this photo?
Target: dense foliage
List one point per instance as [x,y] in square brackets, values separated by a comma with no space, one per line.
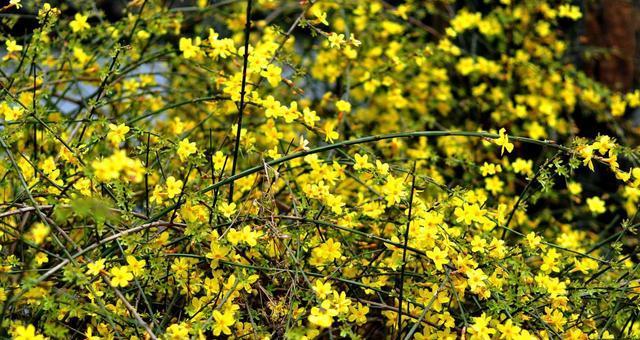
[330,168]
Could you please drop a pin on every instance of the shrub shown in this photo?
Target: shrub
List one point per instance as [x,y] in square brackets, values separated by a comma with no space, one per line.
[359,169]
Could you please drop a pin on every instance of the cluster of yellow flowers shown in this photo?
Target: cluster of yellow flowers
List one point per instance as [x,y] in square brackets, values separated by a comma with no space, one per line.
[313,169]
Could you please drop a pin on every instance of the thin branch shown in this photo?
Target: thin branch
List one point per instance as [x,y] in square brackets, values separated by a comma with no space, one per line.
[236,150]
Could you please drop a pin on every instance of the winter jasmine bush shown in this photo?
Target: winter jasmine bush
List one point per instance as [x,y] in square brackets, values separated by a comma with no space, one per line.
[312,169]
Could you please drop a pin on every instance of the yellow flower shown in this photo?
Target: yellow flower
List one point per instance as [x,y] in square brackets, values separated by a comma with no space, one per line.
[596,205]
[89,334]
[340,302]
[439,257]
[185,149]
[480,328]
[618,105]
[468,213]
[188,48]
[218,160]
[12,46]
[245,235]
[136,266]
[493,184]
[234,236]
[633,98]
[227,209]
[143,35]
[222,322]
[336,40]
[120,276]
[41,258]
[174,187]
[521,166]
[322,289]
[117,133]
[83,185]
[112,167]
[80,55]
[48,166]
[503,141]
[362,162]
[326,252]
[569,11]
[358,314]
[10,113]
[157,195]
[39,232]
[16,3]
[535,130]
[323,316]
[465,20]
[251,236]
[604,144]
[584,265]
[533,240]
[475,278]
[574,188]
[291,113]
[490,169]
[180,266]
[220,48]
[330,135]
[26,333]
[508,330]
[343,106]
[79,23]
[478,244]
[273,108]
[273,74]
[586,152]
[320,15]
[95,267]
[310,118]
[550,261]
[554,318]
[177,332]
[382,168]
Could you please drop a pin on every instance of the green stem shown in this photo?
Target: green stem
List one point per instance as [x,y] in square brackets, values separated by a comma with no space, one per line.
[376,138]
